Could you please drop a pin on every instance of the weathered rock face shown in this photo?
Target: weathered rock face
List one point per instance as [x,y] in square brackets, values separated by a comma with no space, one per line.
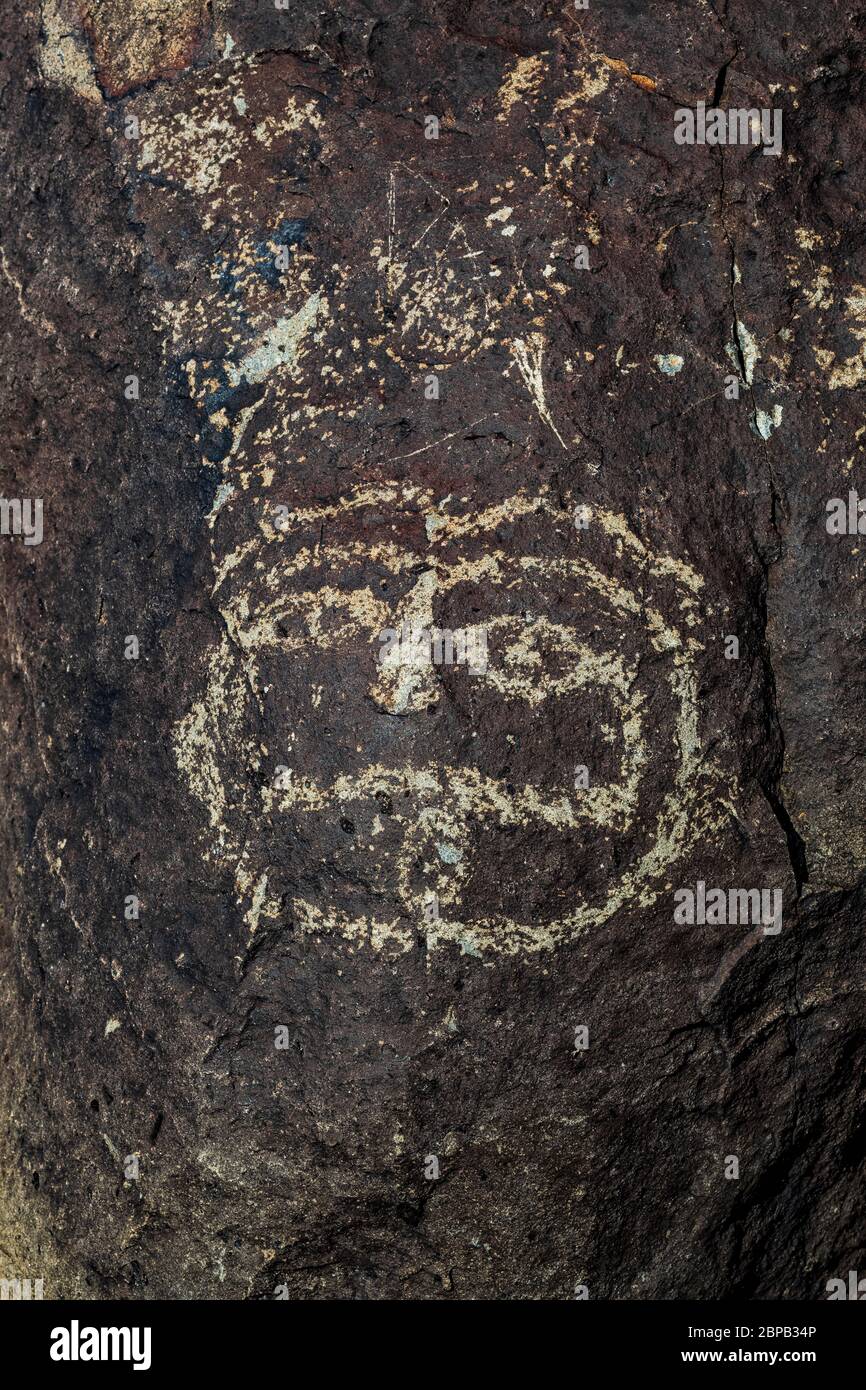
[326,966]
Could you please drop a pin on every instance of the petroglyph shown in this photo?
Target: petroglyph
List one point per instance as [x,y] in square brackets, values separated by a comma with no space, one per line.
[285,599]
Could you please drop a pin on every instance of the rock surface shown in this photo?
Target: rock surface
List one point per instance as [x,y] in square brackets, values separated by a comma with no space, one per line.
[432,322]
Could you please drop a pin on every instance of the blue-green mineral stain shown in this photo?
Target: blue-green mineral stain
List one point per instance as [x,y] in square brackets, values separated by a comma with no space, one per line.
[449,854]
[669,362]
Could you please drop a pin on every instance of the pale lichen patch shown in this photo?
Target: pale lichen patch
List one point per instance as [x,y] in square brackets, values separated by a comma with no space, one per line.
[63,56]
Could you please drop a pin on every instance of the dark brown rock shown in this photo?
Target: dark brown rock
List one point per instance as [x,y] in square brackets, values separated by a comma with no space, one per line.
[376,387]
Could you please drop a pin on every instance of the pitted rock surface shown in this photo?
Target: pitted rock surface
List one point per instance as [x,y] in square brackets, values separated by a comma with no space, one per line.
[433,325]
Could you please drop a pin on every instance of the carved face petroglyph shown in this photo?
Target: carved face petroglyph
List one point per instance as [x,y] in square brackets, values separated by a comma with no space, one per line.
[395,776]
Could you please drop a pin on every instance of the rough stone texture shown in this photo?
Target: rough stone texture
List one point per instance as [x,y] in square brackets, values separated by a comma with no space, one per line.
[296,899]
